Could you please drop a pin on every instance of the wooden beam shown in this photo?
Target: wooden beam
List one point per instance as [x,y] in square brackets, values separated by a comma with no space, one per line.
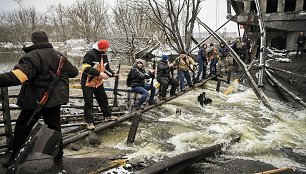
[274,171]
[7,117]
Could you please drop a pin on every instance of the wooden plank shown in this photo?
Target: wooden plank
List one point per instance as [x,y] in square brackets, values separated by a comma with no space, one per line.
[133,129]
[100,127]
[274,171]
[7,117]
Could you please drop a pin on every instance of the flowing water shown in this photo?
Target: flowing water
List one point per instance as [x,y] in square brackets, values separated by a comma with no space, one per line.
[163,133]
[265,133]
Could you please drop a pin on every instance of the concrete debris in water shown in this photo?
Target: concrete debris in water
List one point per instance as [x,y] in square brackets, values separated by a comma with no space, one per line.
[75,147]
[93,139]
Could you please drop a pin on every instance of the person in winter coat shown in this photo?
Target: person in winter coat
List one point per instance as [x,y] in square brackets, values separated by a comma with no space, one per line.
[213,57]
[300,42]
[139,86]
[184,63]
[223,52]
[35,72]
[202,62]
[237,47]
[95,70]
[165,78]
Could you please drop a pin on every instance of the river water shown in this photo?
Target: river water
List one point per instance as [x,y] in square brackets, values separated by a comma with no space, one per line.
[264,133]
[163,133]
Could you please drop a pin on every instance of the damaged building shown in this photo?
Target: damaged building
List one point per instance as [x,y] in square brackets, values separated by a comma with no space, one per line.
[283,19]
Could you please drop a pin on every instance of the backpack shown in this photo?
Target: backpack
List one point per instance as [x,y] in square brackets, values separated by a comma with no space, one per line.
[129,79]
[209,52]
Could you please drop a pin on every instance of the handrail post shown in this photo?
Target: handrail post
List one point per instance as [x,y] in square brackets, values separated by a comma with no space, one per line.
[129,102]
[229,73]
[133,129]
[218,85]
[6,116]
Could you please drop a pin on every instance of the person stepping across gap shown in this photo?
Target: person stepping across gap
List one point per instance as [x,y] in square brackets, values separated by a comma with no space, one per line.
[95,70]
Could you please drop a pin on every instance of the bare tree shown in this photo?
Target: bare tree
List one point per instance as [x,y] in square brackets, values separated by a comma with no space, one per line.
[4,33]
[60,22]
[131,27]
[87,18]
[175,18]
[21,23]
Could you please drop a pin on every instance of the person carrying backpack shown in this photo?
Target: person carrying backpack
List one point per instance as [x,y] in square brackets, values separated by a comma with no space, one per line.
[223,52]
[164,77]
[237,47]
[213,57]
[184,63]
[137,82]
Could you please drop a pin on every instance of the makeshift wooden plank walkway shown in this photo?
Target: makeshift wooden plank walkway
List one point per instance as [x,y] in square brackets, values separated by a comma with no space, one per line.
[102,126]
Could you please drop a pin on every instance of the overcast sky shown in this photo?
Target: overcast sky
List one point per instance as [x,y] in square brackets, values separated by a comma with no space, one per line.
[209,13]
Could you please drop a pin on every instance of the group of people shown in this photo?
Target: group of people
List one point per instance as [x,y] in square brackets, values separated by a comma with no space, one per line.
[39,66]
[165,77]
[37,70]
[184,64]
[214,56]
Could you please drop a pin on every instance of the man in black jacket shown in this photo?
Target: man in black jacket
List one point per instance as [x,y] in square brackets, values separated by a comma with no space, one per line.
[300,42]
[165,78]
[95,70]
[35,71]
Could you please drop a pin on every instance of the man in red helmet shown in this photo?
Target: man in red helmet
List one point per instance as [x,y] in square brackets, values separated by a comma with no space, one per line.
[95,70]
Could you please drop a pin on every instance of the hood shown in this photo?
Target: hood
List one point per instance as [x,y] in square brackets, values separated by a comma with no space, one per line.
[139,60]
[95,46]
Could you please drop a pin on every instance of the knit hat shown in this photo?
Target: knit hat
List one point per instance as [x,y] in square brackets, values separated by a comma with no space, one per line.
[38,36]
[103,44]
[165,58]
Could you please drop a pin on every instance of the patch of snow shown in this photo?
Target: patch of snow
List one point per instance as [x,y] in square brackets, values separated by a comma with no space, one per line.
[11,45]
[285,60]
[118,170]
[75,42]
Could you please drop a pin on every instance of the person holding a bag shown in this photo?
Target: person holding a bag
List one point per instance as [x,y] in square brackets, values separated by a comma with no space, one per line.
[95,70]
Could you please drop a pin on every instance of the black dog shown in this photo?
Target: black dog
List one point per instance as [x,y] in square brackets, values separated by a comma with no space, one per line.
[203,100]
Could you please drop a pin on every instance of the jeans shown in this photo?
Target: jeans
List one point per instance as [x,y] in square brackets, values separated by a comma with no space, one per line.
[145,94]
[213,66]
[182,75]
[202,69]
